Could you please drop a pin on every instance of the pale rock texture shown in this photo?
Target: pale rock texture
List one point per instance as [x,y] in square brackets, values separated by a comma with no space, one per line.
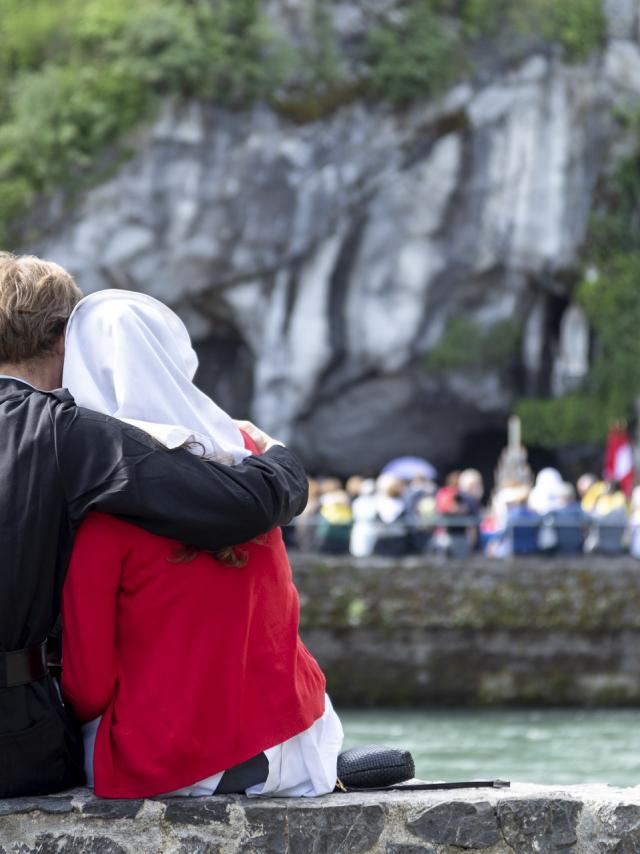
[316,265]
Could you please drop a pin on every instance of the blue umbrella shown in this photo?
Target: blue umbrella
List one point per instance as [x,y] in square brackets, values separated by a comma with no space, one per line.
[406,468]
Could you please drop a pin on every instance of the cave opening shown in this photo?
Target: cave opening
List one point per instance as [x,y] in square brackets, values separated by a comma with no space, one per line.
[226,369]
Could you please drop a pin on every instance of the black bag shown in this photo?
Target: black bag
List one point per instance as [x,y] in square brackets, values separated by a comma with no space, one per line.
[371,767]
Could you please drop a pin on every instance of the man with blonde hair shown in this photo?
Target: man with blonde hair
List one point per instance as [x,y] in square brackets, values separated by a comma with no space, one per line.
[58,462]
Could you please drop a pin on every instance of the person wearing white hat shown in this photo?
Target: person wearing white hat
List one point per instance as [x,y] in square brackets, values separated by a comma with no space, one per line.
[187,666]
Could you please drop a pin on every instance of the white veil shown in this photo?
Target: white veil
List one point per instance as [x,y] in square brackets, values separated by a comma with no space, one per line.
[128,355]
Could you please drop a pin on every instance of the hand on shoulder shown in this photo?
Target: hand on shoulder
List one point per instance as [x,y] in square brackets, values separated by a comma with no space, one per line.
[262,440]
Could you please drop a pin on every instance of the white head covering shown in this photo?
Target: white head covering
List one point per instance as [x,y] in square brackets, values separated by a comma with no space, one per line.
[128,355]
[546,494]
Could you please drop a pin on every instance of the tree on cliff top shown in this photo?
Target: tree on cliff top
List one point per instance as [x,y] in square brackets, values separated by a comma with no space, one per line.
[610,295]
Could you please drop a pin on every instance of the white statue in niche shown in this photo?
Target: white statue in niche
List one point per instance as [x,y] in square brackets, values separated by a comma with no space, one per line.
[572,362]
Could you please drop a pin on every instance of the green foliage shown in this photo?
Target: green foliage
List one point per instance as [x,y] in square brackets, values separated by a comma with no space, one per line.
[465,345]
[60,117]
[220,51]
[33,32]
[612,303]
[578,25]
[316,78]
[570,420]
[319,65]
[76,75]
[410,61]
[610,295]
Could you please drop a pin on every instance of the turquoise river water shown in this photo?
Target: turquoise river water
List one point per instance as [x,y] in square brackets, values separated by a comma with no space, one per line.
[536,746]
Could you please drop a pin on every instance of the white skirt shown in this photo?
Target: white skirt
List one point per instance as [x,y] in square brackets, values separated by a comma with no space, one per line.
[303,766]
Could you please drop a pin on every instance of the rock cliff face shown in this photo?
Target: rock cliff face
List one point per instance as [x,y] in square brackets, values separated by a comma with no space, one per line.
[317,264]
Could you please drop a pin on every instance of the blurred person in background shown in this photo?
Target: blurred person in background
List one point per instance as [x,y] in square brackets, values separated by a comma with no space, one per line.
[568,523]
[333,524]
[609,522]
[516,523]
[634,524]
[589,489]
[352,486]
[545,495]
[319,522]
[424,524]
[419,499]
[470,495]
[446,495]
[611,499]
[459,538]
[365,520]
[392,537]
[471,491]
[418,488]
[305,523]
[329,484]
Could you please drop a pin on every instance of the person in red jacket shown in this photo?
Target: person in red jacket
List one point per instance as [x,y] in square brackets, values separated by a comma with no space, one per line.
[186,666]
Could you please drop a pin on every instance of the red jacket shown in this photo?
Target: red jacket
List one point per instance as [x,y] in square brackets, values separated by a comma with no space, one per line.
[194,667]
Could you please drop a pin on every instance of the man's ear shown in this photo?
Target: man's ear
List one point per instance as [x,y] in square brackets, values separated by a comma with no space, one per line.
[58,345]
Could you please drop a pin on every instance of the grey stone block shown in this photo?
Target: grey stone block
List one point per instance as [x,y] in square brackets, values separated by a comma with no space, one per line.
[49,843]
[526,819]
[196,845]
[112,809]
[544,826]
[623,830]
[197,811]
[49,804]
[340,830]
[267,831]
[394,848]
[464,825]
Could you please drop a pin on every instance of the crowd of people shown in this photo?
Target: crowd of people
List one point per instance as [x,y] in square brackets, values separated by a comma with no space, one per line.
[394,517]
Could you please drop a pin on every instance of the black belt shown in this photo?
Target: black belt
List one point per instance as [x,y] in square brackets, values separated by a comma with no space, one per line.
[21,666]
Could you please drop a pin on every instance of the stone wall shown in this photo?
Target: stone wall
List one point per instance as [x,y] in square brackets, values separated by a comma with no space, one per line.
[528,631]
[585,819]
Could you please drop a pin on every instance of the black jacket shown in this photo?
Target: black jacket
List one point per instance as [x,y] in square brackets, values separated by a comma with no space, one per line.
[58,462]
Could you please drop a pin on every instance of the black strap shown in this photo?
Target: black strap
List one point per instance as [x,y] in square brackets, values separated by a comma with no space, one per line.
[249,773]
[419,786]
[21,666]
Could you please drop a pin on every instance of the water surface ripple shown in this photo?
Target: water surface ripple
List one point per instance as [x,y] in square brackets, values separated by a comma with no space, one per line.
[538,746]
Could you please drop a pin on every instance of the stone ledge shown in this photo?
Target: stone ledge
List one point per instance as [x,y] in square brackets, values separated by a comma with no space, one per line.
[422,632]
[524,819]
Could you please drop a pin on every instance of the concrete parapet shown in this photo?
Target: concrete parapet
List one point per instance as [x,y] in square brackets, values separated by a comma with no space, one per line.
[590,819]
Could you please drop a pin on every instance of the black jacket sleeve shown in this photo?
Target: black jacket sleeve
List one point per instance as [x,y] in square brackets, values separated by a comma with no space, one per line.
[109,466]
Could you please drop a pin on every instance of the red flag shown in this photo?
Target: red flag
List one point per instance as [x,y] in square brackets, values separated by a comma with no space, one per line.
[618,459]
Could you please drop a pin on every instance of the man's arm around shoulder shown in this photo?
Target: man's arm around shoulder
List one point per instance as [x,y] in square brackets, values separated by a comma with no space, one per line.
[110,466]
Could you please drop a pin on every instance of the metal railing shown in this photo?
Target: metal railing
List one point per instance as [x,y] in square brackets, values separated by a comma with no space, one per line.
[429,534]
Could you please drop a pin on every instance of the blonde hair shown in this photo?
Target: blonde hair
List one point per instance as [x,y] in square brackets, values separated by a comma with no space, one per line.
[36,299]
[389,484]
